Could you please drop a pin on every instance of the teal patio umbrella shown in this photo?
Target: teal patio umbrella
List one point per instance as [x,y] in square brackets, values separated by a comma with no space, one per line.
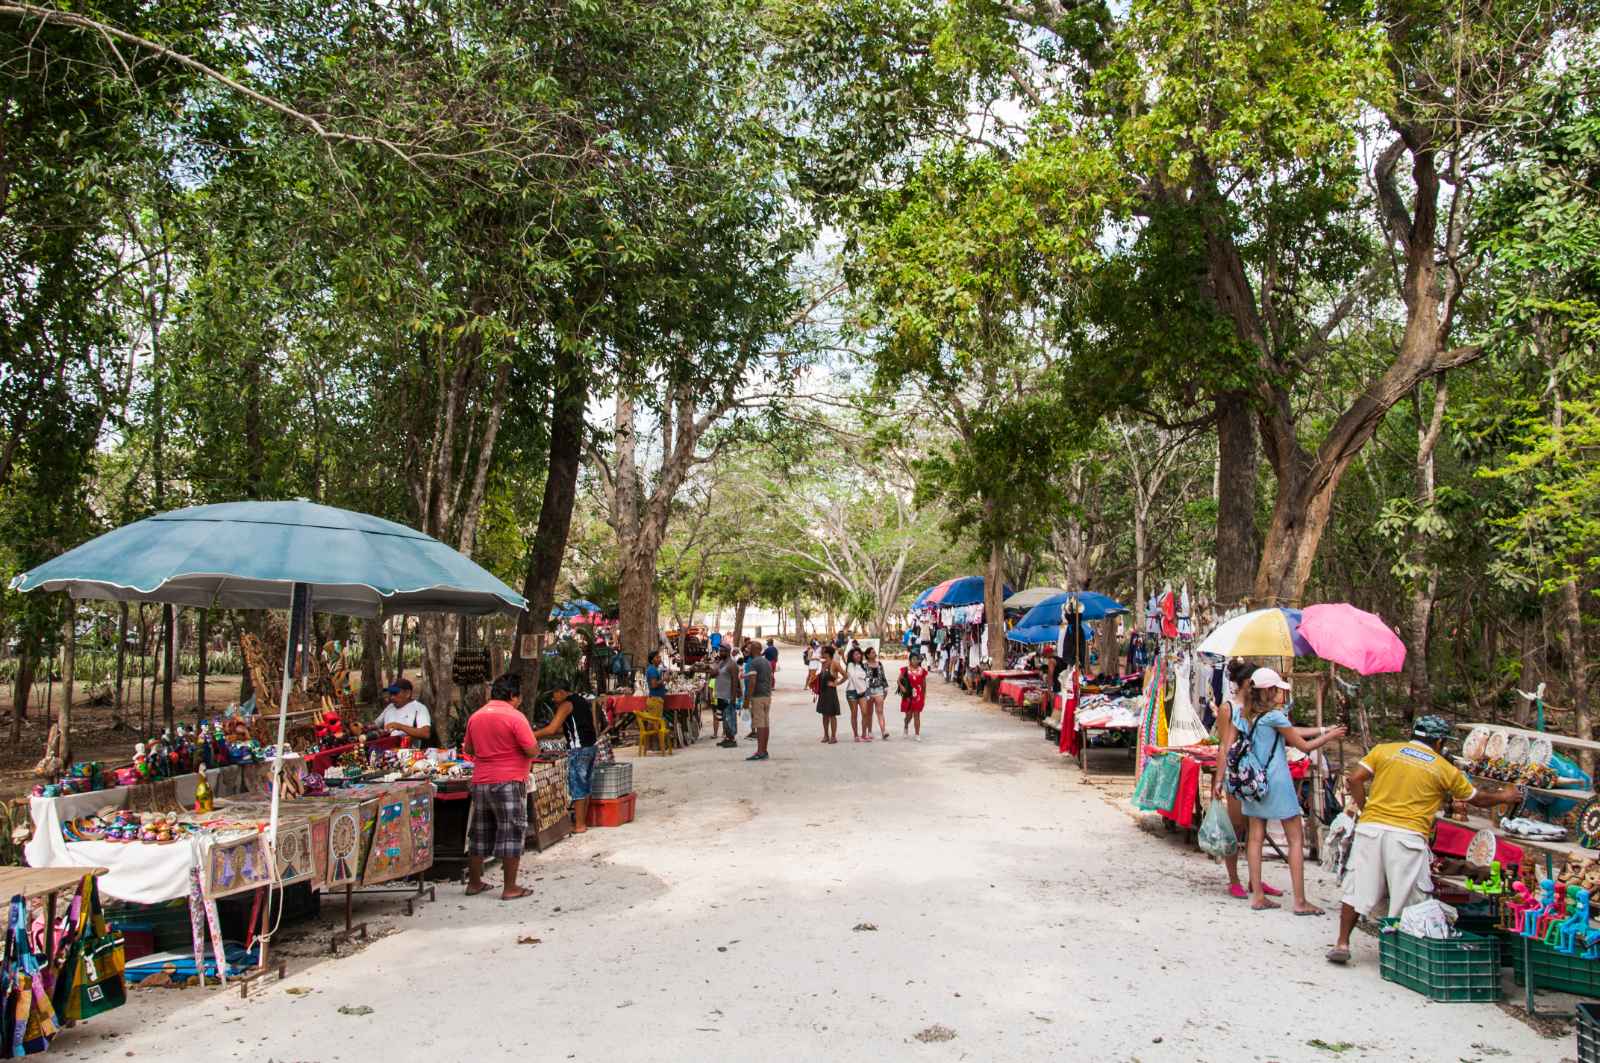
[296,555]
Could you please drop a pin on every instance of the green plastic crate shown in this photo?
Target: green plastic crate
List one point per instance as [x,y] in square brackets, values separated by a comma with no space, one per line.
[1552,969]
[1458,970]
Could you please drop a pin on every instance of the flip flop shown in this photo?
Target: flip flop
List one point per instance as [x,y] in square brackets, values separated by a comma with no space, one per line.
[1313,910]
[1237,891]
[518,895]
[1271,891]
[1267,907]
[1339,956]
[473,891]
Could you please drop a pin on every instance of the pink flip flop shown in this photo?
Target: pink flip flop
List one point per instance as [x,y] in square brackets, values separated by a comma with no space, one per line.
[1237,891]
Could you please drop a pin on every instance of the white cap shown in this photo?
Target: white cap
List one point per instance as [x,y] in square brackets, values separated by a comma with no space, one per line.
[1262,678]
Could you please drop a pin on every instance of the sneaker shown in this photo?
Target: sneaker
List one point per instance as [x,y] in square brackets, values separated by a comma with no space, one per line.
[916,738]
[756,756]
[728,743]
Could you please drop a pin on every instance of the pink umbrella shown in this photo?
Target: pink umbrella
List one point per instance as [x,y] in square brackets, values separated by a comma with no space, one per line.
[1352,637]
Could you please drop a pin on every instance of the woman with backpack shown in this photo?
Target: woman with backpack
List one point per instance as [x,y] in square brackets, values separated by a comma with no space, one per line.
[1258,772]
[1238,674]
[913,690]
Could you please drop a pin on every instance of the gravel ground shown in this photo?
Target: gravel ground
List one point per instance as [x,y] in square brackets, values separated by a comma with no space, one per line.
[969,897]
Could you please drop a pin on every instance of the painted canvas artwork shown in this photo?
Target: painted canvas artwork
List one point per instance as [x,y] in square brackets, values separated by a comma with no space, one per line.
[237,865]
[421,818]
[389,856]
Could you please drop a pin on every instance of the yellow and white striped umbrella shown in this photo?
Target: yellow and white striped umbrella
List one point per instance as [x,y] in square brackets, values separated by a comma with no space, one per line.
[1271,632]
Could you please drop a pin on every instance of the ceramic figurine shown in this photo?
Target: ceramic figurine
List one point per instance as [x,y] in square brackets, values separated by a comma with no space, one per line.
[1576,922]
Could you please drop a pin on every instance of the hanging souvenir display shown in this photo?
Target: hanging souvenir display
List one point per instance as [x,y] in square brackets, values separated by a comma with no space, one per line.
[236,865]
[1589,824]
[421,820]
[32,1015]
[90,981]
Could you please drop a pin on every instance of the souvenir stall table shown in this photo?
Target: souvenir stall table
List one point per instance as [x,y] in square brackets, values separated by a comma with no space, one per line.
[1019,694]
[681,707]
[324,759]
[1559,946]
[1095,721]
[996,678]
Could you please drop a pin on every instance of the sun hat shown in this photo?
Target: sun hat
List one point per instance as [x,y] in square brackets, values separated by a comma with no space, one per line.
[1262,678]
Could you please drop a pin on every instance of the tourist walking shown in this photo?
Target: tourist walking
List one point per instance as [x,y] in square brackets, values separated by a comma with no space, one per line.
[502,748]
[1238,674]
[723,687]
[855,692]
[771,654]
[1263,718]
[877,690]
[830,674]
[758,696]
[913,690]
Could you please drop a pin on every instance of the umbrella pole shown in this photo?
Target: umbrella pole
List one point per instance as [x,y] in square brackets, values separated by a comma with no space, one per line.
[295,596]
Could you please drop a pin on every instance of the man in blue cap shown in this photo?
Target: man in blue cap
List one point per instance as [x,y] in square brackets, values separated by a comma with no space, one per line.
[405,715]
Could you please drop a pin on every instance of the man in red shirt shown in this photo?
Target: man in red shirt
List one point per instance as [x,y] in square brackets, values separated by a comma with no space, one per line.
[502,748]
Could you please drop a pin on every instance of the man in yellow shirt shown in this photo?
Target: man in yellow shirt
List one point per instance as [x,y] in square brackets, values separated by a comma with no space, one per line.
[1390,857]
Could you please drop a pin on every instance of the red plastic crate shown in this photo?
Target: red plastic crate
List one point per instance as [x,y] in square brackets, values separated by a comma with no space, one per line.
[611,811]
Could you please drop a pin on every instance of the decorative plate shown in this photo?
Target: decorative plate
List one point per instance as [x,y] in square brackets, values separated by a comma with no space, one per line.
[1540,751]
[1495,748]
[1477,739]
[1517,749]
[1589,823]
[1481,850]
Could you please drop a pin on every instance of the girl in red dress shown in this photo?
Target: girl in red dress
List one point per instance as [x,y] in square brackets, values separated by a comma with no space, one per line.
[913,690]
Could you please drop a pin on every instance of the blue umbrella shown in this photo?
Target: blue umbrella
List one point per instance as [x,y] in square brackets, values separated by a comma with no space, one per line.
[1049,612]
[922,599]
[569,609]
[275,555]
[250,555]
[968,590]
[1035,636]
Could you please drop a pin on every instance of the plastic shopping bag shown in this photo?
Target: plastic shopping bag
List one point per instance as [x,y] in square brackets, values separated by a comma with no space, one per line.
[1216,831]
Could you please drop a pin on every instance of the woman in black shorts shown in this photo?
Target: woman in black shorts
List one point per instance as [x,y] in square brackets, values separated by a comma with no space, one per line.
[828,681]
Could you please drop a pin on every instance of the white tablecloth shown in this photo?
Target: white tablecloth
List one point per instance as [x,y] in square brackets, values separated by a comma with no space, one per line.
[143,874]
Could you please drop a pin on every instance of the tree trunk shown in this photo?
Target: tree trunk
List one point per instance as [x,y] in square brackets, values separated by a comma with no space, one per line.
[437,634]
[203,637]
[122,657]
[738,620]
[555,514]
[399,653]
[1425,591]
[1237,461]
[169,638]
[69,664]
[636,598]
[994,596]
[1140,552]
[1577,665]
[371,661]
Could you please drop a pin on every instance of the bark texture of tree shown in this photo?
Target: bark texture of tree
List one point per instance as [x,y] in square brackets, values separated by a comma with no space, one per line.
[549,545]
[994,596]
[122,658]
[371,661]
[638,511]
[169,653]
[203,638]
[449,475]
[1424,573]
[1238,545]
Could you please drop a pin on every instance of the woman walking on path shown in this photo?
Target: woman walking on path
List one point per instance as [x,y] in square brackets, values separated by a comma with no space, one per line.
[913,689]
[855,692]
[1264,719]
[877,690]
[828,680]
[1238,675]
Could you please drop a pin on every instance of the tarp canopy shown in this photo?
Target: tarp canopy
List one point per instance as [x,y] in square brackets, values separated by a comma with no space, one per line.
[250,555]
[1049,612]
[1031,597]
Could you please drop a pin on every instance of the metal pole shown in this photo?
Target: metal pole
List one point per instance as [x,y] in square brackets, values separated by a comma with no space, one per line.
[297,595]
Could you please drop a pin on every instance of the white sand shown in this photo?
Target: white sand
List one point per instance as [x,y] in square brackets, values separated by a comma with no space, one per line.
[1016,906]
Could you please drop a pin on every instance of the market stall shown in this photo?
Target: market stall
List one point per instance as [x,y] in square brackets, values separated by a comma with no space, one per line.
[299,557]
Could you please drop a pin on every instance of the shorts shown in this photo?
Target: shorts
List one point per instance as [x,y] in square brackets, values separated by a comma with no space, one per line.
[1387,863]
[760,706]
[580,767]
[499,820]
[853,695]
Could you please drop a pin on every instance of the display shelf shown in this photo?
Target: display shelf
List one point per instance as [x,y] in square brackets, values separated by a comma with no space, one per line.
[1555,739]
[1555,792]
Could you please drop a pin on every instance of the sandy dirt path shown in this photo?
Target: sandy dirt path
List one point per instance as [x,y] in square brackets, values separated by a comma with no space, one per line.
[1016,906]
